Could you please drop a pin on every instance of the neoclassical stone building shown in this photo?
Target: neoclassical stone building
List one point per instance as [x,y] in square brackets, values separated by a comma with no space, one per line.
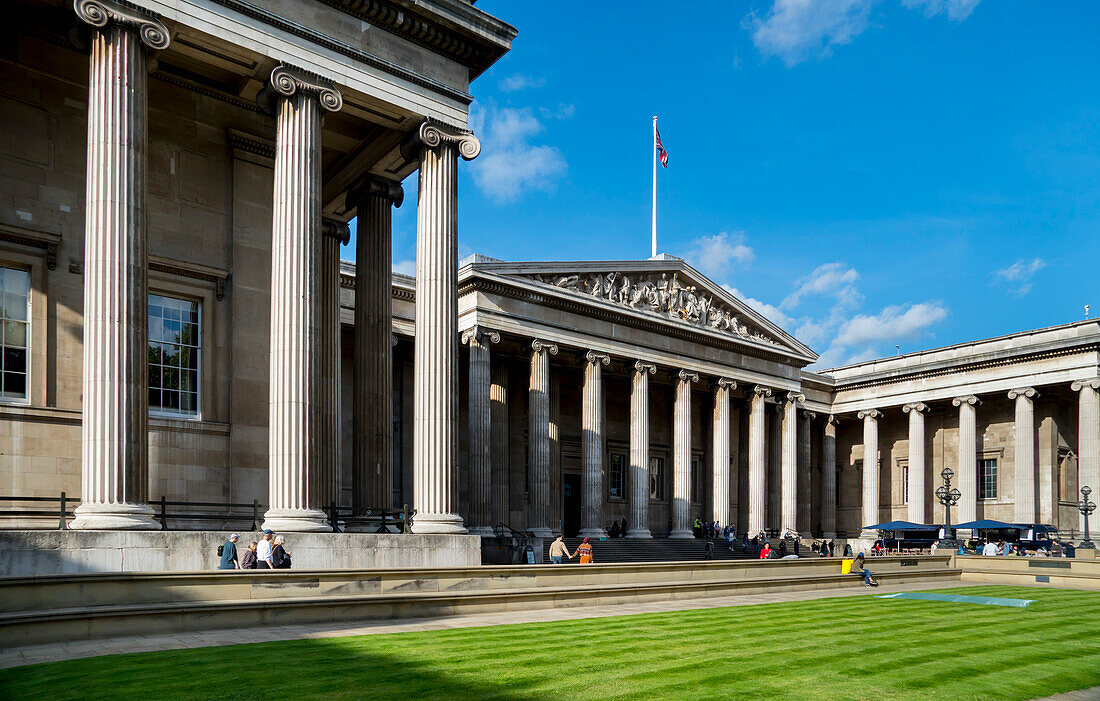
[175,184]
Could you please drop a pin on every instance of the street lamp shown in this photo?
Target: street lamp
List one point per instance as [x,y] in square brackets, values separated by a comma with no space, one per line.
[948,496]
[1086,507]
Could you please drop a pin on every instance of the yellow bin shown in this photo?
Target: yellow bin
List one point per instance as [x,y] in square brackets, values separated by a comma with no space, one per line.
[846,566]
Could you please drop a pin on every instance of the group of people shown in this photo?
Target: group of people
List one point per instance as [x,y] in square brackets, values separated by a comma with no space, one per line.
[1002,548]
[617,530]
[711,529]
[559,551]
[268,553]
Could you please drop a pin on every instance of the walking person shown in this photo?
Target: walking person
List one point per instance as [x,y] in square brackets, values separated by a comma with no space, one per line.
[558,550]
[584,552]
[228,552]
[279,556]
[248,559]
[263,551]
[708,550]
[860,568]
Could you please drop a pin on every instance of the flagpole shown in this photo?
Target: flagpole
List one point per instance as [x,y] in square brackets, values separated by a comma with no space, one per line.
[654,150]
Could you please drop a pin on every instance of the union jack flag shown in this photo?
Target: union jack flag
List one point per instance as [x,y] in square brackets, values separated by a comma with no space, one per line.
[661,147]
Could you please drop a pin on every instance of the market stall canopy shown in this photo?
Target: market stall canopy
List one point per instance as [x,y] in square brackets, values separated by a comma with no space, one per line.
[900,526]
[986,525]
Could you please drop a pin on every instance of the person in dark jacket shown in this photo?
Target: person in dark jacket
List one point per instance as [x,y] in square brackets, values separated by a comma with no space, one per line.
[229,554]
[279,556]
[860,568]
[248,559]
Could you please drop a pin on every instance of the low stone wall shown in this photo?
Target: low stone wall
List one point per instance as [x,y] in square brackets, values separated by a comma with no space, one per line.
[1082,572]
[28,553]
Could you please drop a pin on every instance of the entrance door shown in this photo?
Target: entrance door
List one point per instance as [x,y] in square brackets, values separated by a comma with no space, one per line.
[571,495]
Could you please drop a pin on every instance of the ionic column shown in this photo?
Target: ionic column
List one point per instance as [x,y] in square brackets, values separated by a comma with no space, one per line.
[828,478]
[480,430]
[538,438]
[435,363]
[498,409]
[870,419]
[681,456]
[968,457]
[333,235]
[775,468]
[789,463]
[1025,467]
[592,415]
[115,452]
[638,524]
[373,200]
[805,498]
[916,413]
[1088,439]
[720,499]
[757,457]
[296,411]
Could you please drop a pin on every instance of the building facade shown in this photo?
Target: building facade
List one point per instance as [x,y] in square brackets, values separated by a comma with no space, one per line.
[176,182]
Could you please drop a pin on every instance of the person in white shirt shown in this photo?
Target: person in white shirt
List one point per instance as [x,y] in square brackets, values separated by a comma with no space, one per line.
[263,551]
[990,548]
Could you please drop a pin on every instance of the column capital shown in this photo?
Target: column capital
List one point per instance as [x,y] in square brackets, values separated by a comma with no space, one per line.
[432,134]
[762,391]
[374,186]
[538,345]
[393,340]
[726,383]
[643,367]
[688,376]
[795,397]
[100,13]
[869,414]
[809,415]
[288,80]
[1028,392]
[477,333]
[832,420]
[336,229]
[969,399]
[919,407]
[1093,383]
[597,358]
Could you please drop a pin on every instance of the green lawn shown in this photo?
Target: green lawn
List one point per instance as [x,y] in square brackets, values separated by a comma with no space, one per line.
[847,648]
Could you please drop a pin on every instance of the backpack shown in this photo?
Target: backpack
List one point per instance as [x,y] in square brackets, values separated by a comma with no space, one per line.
[221,548]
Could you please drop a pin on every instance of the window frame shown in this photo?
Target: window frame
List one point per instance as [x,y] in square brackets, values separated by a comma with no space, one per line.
[658,480]
[984,476]
[29,347]
[198,301]
[612,454]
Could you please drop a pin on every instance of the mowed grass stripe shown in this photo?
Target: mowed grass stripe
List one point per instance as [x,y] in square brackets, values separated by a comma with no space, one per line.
[853,647]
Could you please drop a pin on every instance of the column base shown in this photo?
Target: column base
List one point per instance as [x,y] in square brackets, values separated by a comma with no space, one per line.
[680,534]
[296,521]
[483,531]
[542,532]
[437,523]
[829,535]
[593,533]
[114,517]
[638,533]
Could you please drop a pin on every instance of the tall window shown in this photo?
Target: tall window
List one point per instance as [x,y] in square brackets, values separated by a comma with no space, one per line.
[174,356]
[657,479]
[905,484]
[987,478]
[15,290]
[615,473]
[696,483]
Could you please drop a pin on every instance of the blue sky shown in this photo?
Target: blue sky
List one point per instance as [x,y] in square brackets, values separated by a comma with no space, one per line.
[865,172]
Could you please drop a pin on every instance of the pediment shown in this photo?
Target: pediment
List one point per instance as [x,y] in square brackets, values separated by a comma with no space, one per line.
[668,289]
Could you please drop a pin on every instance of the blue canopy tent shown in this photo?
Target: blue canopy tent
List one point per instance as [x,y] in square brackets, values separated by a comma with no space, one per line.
[900,526]
[985,524]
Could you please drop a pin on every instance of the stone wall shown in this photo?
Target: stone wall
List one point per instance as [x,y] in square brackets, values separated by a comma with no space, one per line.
[25,553]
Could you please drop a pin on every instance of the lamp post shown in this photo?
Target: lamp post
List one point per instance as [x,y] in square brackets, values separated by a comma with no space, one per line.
[1086,507]
[948,496]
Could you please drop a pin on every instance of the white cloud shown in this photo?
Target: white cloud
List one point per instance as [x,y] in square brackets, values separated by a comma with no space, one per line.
[795,30]
[956,10]
[405,267]
[1018,275]
[518,81]
[563,111]
[775,314]
[510,164]
[893,323]
[835,280]
[715,255]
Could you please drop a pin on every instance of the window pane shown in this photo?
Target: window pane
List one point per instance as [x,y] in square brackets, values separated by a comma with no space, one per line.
[15,360]
[15,385]
[15,306]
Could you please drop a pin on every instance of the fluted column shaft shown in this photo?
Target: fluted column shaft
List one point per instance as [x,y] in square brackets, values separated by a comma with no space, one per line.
[435,363]
[592,446]
[968,458]
[870,466]
[805,499]
[372,373]
[114,458]
[333,235]
[775,467]
[1088,440]
[1025,472]
[498,398]
[757,458]
[538,437]
[681,456]
[479,424]
[789,463]
[296,410]
[720,499]
[828,478]
[638,523]
[916,461]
